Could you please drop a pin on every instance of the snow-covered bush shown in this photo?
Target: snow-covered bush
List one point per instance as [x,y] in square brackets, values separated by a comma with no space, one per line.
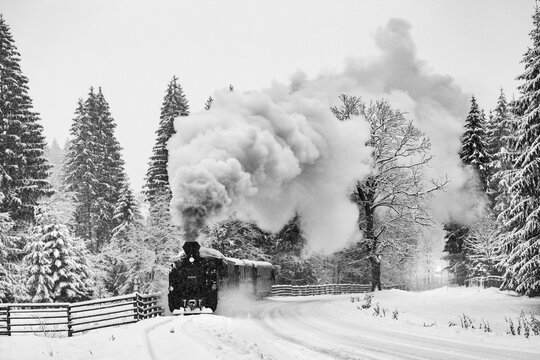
[140,254]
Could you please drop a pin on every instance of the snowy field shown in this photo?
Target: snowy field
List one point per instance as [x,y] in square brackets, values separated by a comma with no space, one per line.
[320,327]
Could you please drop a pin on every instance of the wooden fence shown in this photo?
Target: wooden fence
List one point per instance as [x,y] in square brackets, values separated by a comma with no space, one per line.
[73,318]
[306,290]
[485,281]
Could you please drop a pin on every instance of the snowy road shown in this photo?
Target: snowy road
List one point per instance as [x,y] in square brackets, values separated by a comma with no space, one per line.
[307,328]
[319,328]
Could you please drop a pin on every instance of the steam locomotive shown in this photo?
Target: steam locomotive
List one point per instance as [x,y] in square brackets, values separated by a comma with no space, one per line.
[200,275]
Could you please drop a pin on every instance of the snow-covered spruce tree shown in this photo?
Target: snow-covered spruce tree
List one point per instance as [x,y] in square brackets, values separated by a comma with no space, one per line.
[288,255]
[54,153]
[500,134]
[8,263]
[126,211]
[522,219]
[40,285]
[473,149]
[57,264]
[112,174]
[21,140]
[94,170]
[458,264]
[157,179]
[473,153]
[55,156]
[81,169]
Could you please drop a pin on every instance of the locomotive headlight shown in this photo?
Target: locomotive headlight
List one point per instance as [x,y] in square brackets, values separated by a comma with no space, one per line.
[171,288]
[191,259]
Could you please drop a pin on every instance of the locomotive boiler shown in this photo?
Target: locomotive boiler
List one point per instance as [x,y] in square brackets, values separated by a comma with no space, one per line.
[200,276]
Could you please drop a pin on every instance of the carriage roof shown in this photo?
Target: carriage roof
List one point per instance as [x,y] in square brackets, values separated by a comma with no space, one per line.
[205,252]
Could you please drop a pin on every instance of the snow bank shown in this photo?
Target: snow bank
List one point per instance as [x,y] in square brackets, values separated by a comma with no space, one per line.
[316,327]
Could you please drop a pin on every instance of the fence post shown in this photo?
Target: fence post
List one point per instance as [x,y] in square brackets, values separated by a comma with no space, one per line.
[69,328]
[138,301]
[8,321]
[136,306]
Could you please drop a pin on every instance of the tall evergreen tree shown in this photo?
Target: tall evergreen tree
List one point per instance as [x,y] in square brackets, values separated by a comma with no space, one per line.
[522,241]
[288,253]
[111,174]
[55,156]
[24,167]
[157,179]
[94,170]
[456,237]
[474,153]
[495,127]
[126,211]
[40,283]
[500,133]
[473,150]
[81,169]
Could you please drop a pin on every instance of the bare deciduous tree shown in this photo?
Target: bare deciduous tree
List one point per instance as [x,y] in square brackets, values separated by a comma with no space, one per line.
[394,196]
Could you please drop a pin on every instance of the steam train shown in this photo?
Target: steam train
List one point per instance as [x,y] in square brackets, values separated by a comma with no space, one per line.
[200,275]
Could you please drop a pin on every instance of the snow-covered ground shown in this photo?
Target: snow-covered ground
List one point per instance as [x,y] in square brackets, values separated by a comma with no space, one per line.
[320,327]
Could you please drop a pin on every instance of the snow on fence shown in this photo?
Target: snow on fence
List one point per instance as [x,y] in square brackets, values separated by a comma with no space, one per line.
[77,317]
[485,281]
[306,290]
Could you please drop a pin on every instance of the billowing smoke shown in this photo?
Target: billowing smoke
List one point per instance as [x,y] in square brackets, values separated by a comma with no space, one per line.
[265,154]
[433,101]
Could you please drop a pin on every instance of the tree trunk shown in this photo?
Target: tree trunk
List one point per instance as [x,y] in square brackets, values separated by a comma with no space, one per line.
[374,260]
[375,273]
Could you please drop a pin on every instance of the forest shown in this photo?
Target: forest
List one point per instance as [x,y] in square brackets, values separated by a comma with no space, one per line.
[72,228]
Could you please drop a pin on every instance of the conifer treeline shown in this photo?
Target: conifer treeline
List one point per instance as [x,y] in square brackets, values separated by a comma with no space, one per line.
[505,152]
[45,248]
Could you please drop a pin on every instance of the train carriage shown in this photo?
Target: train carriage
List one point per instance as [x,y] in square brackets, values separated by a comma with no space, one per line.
[201,275]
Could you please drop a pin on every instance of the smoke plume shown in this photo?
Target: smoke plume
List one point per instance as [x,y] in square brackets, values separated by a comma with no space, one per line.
[265,154]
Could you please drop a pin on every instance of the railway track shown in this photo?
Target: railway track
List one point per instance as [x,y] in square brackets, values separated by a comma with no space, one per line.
[310,329]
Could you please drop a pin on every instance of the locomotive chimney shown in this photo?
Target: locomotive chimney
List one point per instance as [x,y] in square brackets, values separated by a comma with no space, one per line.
[191,249]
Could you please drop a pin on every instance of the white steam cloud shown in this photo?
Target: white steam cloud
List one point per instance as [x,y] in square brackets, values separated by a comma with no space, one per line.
[433,101]
[263,157]
[266,154]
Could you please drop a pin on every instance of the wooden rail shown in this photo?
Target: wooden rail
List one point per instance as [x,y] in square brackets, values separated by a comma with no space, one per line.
[308,290]
[78,317]
[485,281]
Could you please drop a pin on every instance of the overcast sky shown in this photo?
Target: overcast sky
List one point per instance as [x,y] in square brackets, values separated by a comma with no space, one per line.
[133,48]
